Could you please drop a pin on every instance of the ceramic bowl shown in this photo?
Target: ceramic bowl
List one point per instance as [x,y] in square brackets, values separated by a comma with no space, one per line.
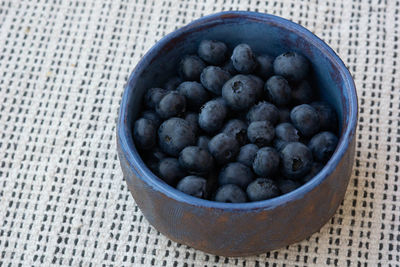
[248,228]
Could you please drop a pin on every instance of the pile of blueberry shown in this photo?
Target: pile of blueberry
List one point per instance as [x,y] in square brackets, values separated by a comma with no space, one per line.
[247,128]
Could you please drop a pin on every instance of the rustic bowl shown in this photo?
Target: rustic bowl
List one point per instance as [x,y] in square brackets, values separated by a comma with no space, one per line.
[248,228]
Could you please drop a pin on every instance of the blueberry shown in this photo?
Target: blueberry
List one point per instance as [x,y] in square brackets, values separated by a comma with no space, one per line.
[190,68]
[323,145]
[266,162]
[327,116]
[302,93]
[230,193]
[153,96]
[296,160]
[286,185]
[153,157]
[228,66]
[261,133]
[291,65]
[265,67]
[240,92]
[279,144]
[153,116]
[213,78]
[173,83]
[172,104]
[305,119]
[196,160]
[247,154]
[174,135]
[212,115]
[223,148]
[262,189]
[237,129]
[284,115]
[236,173]
[315,168]
[287,132]
[145,133]
[170,171]
[203,141]
[278,90]
[213,52]
[244,59]
[195,94]
[193,185]
[263,111]
[193,119]
[259,85]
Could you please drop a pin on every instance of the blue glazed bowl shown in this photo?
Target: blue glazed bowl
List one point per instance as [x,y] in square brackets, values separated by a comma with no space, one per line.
[247,228]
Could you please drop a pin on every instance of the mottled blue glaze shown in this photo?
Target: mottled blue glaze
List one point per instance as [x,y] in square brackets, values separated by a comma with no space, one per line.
[247,228]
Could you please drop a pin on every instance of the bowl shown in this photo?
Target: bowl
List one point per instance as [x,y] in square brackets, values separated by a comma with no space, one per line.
[243,229]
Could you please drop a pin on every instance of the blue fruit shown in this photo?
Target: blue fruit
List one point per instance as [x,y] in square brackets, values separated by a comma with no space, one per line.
[240,92]
[323,145]
[287,185]
[203,141]
[193,185]
[170,171]
[287,132]
[193,119]
[259,86]
[171,105]
[196,160]
[278,91]
[195,94]
[261,133]
[236,173]
[327,116]
[228,66]
[243,59]
[174,135]
[279,144]
[223,148]
[213,52]
[291,65]
[263,111]
[296,160]
[247,154]
[213,78]
[145,133]
[262,189]
[153,116]
[153,96]
[173,83]
[302,93]
[315,168]
[212,115]
[284,115]
[266,162]
[237,129]
[230,193]
[305,119]
[265,67]
[153,157]
[190,67]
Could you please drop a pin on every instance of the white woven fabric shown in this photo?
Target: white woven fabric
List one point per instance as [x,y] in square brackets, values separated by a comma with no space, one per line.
[63,66]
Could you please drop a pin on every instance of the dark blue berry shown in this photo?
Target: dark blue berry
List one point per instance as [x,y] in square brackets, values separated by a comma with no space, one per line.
[263,111]
[247,154]
[153,96]
[153,157]
[228,66]
[287,132]
[315,168]
[193,185]
[153,116]
[284,115]
[236,173]
[195,94]
[291,65]
[279,144]
[170,171]
[237,129]
[327,116]
[262,189]
[145,133]
[223,148]
[196,160]
[213,78]
[193,119]
[287,185]
[213,52]
[190,68]
[230,193]
[240,92]
[172,104]
[302,93]
[212,115]
[323,145]
[305,119]
[203,141]
[243,59]
[174,135]
[266,162]
[173,83]
[278,90]
[265,67]
[259,85]
[261,133]
[296,160]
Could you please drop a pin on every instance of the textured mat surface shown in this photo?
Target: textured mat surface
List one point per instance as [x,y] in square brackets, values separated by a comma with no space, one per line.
[63,66]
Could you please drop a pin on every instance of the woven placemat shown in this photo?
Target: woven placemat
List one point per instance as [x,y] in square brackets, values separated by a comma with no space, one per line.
[63,66]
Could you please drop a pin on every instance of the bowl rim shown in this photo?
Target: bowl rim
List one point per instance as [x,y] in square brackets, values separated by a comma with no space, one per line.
[125,139]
